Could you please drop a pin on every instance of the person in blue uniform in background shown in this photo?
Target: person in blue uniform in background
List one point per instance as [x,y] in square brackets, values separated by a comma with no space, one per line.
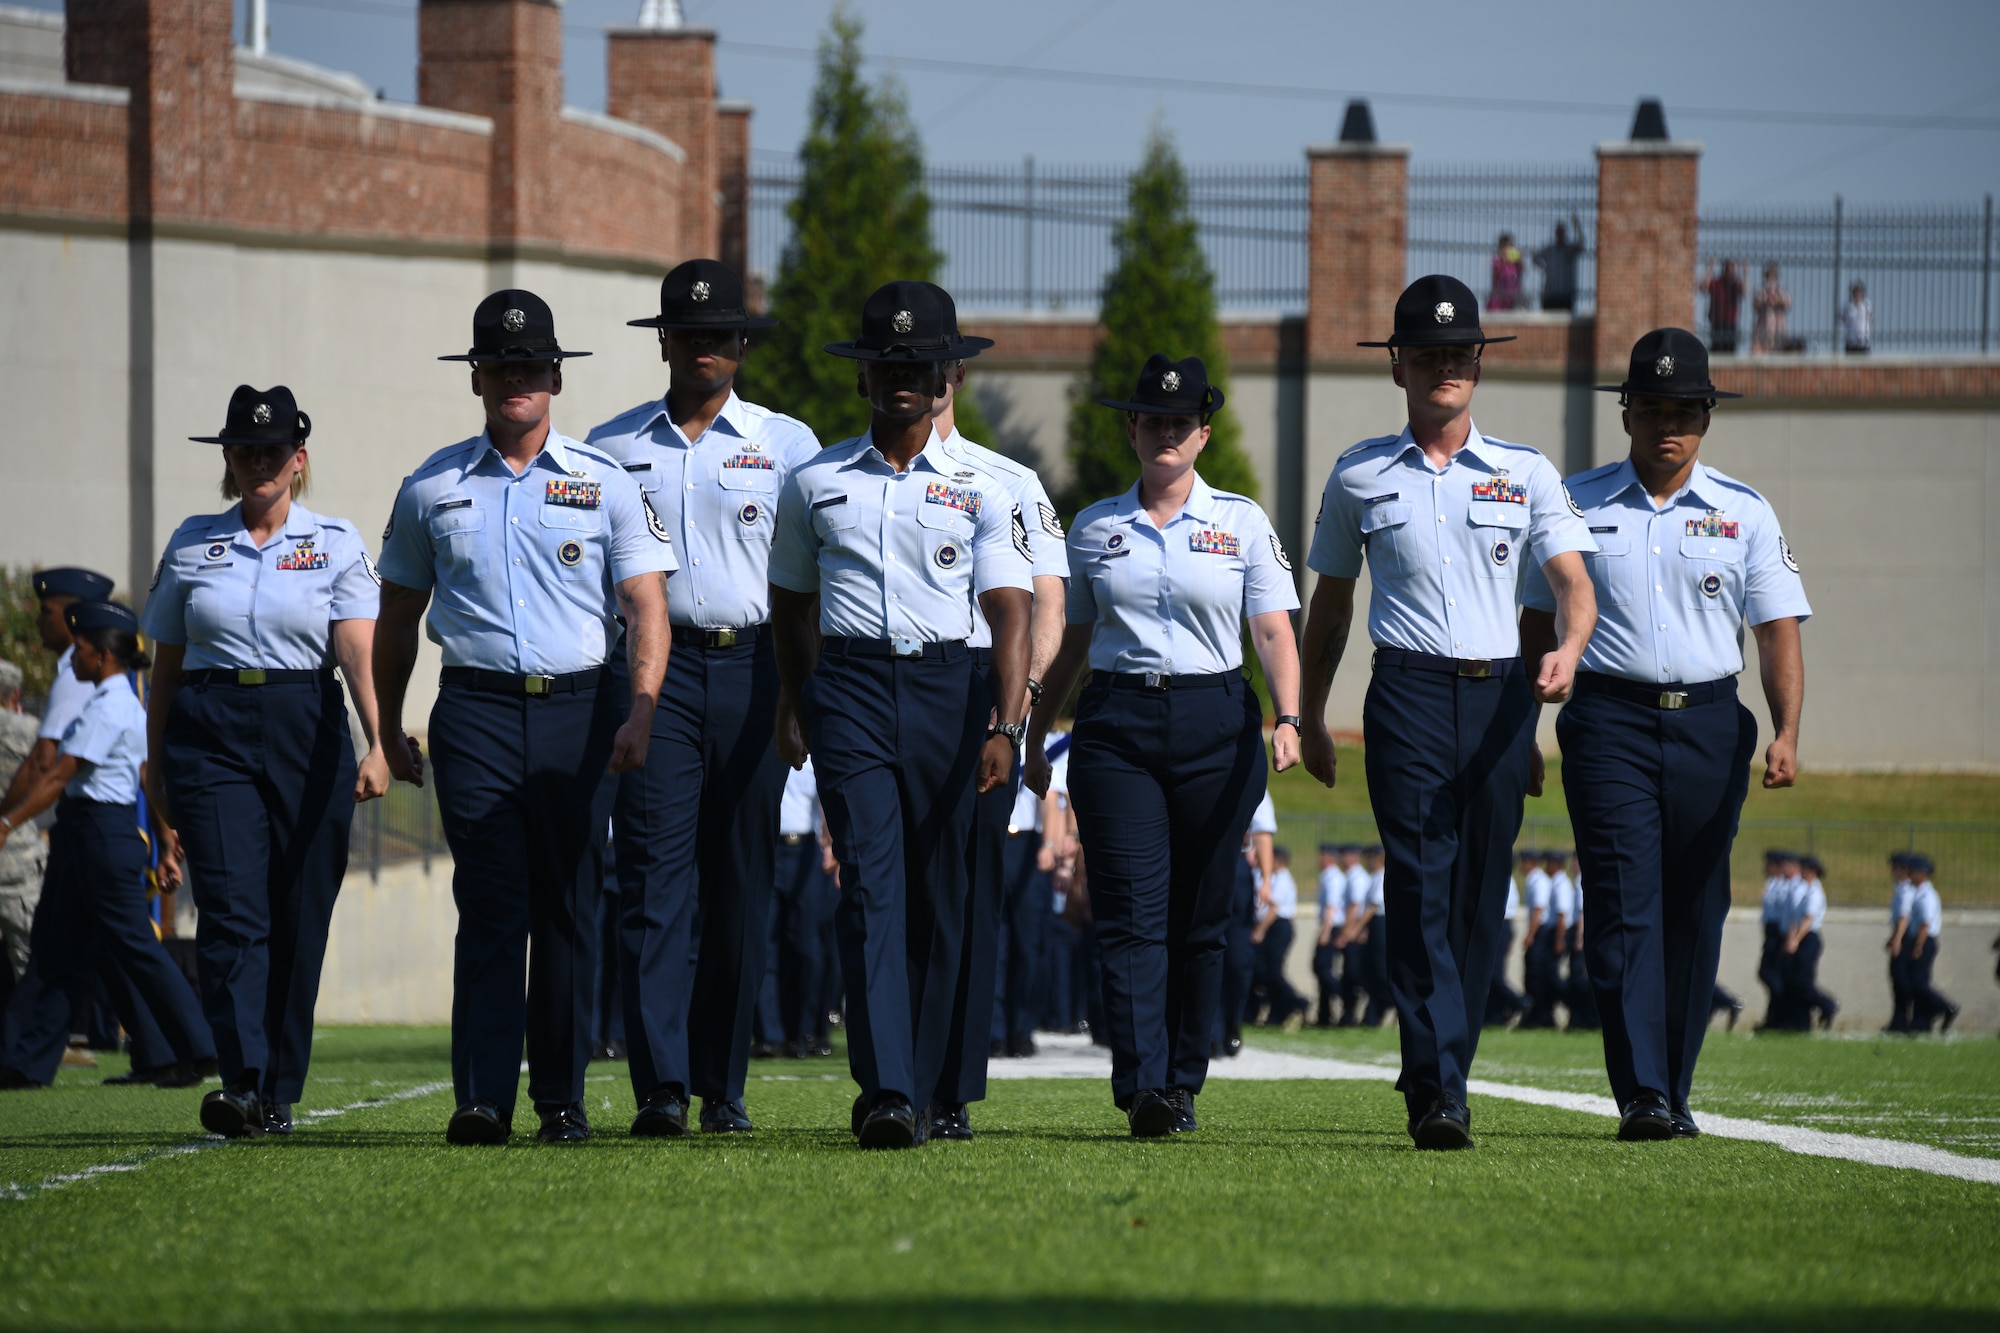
[1167,760]
[96,874]
[251,760]
[894,536]
[1656,746]
[696,828]
[1446,518]
[526,546]
[1927,1004]
[792,1006]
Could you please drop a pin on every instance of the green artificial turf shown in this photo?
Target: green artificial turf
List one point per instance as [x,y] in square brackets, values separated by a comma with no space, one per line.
[1299,1205]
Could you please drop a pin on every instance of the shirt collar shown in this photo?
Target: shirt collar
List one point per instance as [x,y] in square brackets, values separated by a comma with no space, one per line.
[1200,504]
[730,418]
[1701,486]
[300,522]
[1475,450]
[553,455]
[935,456]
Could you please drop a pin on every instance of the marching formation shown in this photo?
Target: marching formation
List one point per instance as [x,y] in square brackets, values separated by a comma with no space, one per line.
[647,628]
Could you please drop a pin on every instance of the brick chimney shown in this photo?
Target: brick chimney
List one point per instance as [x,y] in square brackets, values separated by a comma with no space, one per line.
[664,80]
[1647,193]
[1357,230]
[502,59]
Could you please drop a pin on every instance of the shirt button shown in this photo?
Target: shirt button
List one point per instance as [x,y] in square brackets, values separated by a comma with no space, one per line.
[1440,518]
[513,520]
[697,560]
[892,557]
[1663,627]
[517,561]
[1449,601]
[1659,587]
[522,602]
[1458,645]
[1447,560]
[701,601]
[1656,550]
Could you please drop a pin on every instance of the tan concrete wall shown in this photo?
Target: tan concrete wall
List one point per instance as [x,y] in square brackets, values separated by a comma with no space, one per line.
[388,956]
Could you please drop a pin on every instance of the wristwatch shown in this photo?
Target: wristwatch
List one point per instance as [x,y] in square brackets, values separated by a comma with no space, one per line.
[1016,732]
[1288,720]
[1034,690]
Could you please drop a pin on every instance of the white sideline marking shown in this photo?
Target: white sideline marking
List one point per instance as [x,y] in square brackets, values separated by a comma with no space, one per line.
[13,1192]
[1075,1057]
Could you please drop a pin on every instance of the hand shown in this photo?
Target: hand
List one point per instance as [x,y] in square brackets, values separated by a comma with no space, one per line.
[1537,770]
[373,779]
[1037,773]
[170,872]
[1045,858]
[996,762]
[1317,747]
[791,738]
[405,759]
[1284,748]
[629,746]
[1558,674]
[1781,762]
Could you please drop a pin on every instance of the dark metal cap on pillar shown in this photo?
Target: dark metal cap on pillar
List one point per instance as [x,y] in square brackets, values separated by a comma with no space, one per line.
[1649,122]
[1359,124]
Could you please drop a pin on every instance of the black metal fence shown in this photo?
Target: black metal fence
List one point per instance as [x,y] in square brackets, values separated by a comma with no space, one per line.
[1928,273]
[1458,215]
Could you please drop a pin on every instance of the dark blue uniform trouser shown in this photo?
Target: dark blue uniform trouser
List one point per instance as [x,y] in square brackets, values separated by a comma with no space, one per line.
[1239,956]
[1164,783]
[96,876]
[1926,1004]
[895,745]
[1024,931]
[1447,761]
[260,782]
[1272,951]
[1502,1001]
[698,822]
[1802,983]
[963,1078]
[517,777]
[1327,974]
[1654,795]
[796,982]
[1899,987]
[1541,977]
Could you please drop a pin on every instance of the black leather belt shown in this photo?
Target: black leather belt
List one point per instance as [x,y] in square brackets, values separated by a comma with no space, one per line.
[839,645]
[1160,680]
[255,676]
[502,682]
[1473,668]
[1667,698]
[793,839]
[689,636]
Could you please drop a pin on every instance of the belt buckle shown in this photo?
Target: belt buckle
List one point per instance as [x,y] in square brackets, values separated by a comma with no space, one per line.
[1475,668]
[538,684]
[1155,680]
[255,676]
[722,638]
[900,647]
[1673,700]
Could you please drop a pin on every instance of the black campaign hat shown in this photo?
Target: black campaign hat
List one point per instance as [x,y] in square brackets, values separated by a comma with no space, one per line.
[1171,388]
[906,321]
[951,318]
[703,294]
[514,325]
[261,416]
[86,584]
[1437,311]
[1668,363]
[100,614]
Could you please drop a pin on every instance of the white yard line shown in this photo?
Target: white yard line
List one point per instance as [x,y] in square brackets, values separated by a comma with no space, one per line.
[14,1192]
[1075,1057]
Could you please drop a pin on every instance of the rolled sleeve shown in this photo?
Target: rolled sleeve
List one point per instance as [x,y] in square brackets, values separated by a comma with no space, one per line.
[1772,588]
[639,542]
[1267,584]
[408,558]
[996,561]
[1336,544]
[794,564]
[1555,524]
[357,589]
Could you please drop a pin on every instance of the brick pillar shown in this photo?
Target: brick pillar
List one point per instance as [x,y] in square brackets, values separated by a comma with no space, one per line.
[1356,232]
[664,79]
[1646,198]
[502,59]
[732,184]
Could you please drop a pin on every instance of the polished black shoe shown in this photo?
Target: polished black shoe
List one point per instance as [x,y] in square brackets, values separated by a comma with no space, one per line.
[1152,1115]
[563,1124]
[1021,1046]
[765,1050]
[1444,1125]
[1684,1125]
[234,1113]
[823,1047]
[799,1048]
[277,1118]
[1232,1045]
[997,1050]
[181,1076]
[1646,1119]
[948,1124]
[1735,1012]
[663,1115]
[891,1124]
[720,1117]
[607,1050]
[1827,1015]
[12,1080]
[857,1113]
[1183,1100]
[477,1125]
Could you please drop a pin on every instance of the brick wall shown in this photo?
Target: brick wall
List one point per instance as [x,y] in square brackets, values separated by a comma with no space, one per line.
[1356,236]
[1646,199]
[619,196]
[62,157]
[502,59]
[732,184]
[664,79]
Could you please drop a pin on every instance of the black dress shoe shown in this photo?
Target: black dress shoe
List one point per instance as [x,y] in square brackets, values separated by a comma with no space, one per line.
[1021,1045]
[13,1079]
[607,1050]
[1443,1126]
[1735,1012]
[949,1124]
[997,1050]
[1646,1119]
[1232,1045]
[720,1117]
[663,1115]
[1183,1100]
[477,1125]
[764,1050]
[1684,1125]
[180,1076]
[1151,1115]
[234,1113]
[563,1124]
[857,1113]
[824,1047]
[277,1118]
[891,1124]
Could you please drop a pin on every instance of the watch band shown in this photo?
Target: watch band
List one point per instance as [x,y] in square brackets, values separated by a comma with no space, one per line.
[1034,690]
[1017,732]
[1289,720]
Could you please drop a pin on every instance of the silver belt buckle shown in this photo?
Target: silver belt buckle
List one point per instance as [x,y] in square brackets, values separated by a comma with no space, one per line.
[1673,701]
[1475,668]
[1155,680]
[722,638]
[538,684]
[253,676]
[906,647]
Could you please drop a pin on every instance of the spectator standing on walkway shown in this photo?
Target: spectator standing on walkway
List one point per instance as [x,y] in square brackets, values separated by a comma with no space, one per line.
[1505,292]
[1557,261]
[1725,306]
[22,858]
[1857,321]
[1772,307]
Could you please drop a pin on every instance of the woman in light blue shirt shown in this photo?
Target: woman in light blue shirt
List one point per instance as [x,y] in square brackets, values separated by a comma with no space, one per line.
[95,884]
[1167,759]
[252,758]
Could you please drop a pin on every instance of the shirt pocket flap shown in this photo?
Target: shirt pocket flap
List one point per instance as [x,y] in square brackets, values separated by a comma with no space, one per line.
[1727,550]
[1376,517]
[461,518]
[649,475]
[1611,543]
[571,519]
[747,478]
[944,518]
[1497,514]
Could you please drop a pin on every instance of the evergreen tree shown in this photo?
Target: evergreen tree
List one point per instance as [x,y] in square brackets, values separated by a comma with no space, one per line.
[860,218]
[1160,297]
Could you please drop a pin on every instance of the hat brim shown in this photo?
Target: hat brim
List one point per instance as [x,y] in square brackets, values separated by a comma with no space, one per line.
[495,358]
[294,441]
[1444,338]
[962,350]
[1215,401]
[1627,388]
[696,325]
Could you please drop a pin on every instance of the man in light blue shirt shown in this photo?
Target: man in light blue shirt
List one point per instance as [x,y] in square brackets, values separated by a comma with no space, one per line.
[526,545]
[1447,519]
[1927,1005]
[1656,747]
[695,830]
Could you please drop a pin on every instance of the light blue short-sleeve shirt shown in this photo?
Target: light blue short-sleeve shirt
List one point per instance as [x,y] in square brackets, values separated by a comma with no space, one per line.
[1535,890]
[1444,549]
[236,604]
[1047,557]
[1676,584]
[108,741]
[718,496]
[798,808]
[521,569]
[1173,600]
[1333,896]
[1899,901]
[67,696]
[897,554]
[1926,908]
